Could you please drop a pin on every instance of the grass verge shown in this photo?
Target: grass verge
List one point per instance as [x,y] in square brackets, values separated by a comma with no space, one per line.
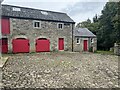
[104,52]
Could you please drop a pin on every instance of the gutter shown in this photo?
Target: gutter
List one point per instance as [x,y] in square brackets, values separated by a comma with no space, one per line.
[17,17]
[72,36]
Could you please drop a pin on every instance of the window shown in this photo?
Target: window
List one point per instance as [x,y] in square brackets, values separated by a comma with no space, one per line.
[44,13]
[92,40]
[16,9]
[36,24]
[60,25]
[78,40]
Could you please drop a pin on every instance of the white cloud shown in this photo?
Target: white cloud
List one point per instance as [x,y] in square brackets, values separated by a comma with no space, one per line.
[83,10]
[54,6]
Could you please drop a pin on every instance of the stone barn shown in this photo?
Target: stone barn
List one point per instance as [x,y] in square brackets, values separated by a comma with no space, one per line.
[33,30]
[84,40]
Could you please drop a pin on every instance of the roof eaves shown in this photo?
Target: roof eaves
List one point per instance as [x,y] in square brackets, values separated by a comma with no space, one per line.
[37,19]
[86,36]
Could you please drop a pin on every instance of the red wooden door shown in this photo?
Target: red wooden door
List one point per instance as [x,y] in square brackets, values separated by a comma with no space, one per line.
[4,45]
[85,45]
[61,44]
[42,45]
[20,45]
[5,26]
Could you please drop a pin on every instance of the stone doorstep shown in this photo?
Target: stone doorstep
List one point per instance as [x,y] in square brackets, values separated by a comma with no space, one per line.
[3,60]
[61,50]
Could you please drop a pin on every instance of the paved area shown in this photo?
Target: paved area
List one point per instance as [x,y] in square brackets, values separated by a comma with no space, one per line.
[3,60]
[61,70]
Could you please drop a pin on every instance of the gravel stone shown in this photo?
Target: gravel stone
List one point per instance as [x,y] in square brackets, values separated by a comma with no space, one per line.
[61,70]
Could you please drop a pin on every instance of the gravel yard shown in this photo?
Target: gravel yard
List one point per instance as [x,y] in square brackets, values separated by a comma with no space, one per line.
[61,70]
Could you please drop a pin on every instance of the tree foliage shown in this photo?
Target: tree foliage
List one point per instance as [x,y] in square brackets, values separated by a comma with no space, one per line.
[106,26]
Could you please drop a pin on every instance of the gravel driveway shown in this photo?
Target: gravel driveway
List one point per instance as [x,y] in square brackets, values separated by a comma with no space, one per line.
[61,70]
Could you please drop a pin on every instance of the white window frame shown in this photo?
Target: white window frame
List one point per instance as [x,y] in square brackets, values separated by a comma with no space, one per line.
[38,22]
[92,40]
[78,41]
[62,25]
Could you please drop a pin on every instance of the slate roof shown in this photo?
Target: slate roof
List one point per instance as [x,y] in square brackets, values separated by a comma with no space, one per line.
[83,32]
[30,13]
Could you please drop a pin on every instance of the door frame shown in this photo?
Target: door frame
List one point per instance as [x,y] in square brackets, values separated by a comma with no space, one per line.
[6,44]
[63,43]
[84,45]
[21,39]
[41,39]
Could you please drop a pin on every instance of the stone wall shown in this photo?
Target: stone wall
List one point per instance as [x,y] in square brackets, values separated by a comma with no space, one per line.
[49,30]
[117,49]
[80,47]
[94,45]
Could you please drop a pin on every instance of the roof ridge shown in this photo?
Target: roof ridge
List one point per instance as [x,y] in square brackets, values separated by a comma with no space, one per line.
[32,8]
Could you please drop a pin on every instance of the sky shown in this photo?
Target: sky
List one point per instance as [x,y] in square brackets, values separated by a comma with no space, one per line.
[78,10]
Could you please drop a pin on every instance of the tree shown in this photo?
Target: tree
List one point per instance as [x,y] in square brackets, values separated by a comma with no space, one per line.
[107,30]
[84,23]
[116,23]
[95,18]
[92,26]
[106,26]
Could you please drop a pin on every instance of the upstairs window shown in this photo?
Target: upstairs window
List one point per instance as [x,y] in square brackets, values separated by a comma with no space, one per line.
[16,9]
[78,40]
[60,25]
[36,24]
[44,13]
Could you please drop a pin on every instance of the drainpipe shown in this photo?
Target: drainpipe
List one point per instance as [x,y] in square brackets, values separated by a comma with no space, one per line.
[72,36]
[0,29]
[1,72]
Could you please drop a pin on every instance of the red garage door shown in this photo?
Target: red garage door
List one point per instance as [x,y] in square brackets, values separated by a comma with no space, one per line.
[61,43]
[20,45]
[42,45]
[85,45]
[4,45]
